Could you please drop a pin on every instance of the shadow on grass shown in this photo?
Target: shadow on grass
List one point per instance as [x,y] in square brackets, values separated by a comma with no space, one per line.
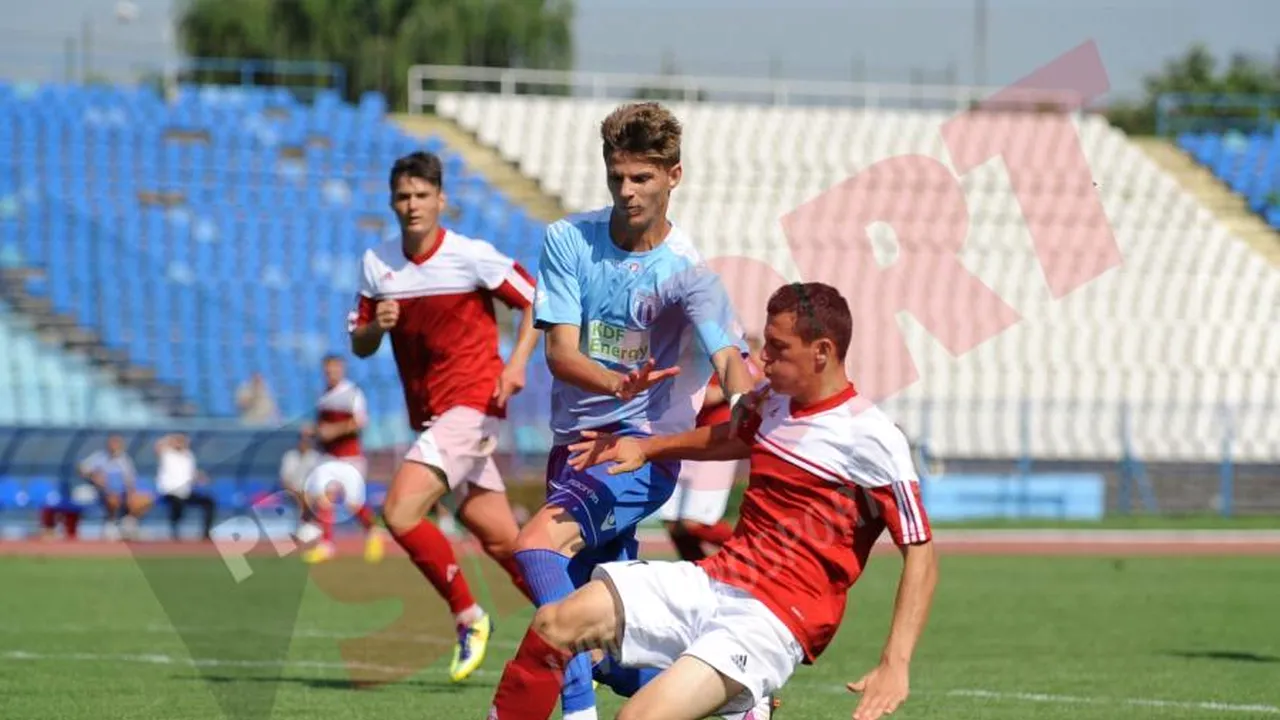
[1230,655]
[325,683]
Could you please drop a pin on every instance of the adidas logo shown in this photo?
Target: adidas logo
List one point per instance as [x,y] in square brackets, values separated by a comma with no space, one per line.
[740,661]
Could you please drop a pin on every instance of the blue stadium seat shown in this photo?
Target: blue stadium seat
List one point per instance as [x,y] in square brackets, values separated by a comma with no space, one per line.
[210,282]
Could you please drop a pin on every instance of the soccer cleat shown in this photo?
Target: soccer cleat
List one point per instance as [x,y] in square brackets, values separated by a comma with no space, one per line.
[322,552]
[473,640]
[374,547]
[763,710]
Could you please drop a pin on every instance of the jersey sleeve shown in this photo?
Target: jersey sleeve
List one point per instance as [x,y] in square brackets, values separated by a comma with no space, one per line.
[897,497]
[558,292]
[708,308]
[359,408]
[501,275]
[366,298]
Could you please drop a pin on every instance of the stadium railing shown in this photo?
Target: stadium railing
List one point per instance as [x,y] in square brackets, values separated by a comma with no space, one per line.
[426,82]
[1178,113]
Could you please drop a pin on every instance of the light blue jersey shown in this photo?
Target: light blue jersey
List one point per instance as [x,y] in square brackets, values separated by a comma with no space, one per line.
[664,303]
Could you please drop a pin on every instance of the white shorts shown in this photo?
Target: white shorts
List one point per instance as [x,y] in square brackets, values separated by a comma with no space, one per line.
[460,442]
[359,462]
[702,493]
[674,608]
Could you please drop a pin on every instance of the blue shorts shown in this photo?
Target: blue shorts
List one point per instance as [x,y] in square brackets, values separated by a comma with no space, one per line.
[608,507]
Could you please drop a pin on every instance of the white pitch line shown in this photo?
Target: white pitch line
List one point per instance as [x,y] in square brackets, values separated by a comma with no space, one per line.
[163,659]
[1138,702]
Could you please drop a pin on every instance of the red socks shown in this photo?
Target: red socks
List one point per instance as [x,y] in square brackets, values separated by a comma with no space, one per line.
[430,551]
[717,534]
[530,684]
[365,516]
[324,516]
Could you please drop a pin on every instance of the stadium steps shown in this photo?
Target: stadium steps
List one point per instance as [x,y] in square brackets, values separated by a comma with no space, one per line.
[486,161]
[1229,207]
[66,332]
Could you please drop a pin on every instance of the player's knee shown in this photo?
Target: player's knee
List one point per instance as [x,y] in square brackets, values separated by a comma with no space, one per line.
[404,509]
[499,550]
[553,626]
[551,528]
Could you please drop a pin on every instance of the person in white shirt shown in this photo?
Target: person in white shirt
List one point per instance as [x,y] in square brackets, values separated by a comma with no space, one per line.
[179,482]
[296,465]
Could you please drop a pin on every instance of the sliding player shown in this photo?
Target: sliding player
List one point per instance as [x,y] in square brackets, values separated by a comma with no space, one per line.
[829,473]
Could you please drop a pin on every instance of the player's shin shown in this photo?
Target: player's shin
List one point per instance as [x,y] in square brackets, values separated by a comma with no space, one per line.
[531,681]
[430,551]
[547,574]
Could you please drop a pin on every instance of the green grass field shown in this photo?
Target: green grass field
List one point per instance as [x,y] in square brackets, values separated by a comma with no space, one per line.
[95,639]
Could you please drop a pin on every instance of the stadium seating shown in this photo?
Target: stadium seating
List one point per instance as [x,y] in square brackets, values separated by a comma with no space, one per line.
[1248,163]
[1170,349]
[41,385]
[218,233]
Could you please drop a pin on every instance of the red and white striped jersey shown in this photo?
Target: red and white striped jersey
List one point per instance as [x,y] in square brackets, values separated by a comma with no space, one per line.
[342,402]
[446,342]
[826,481]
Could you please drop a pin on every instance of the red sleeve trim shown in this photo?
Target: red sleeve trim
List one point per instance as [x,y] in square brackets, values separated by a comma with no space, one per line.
[363,313]
[902,509]
[517,290]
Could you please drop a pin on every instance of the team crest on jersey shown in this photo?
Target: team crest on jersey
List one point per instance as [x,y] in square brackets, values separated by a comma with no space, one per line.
[645,307]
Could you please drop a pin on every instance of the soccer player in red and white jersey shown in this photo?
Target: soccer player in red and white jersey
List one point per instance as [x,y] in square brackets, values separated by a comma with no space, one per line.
[694,514]
[433,290]
[341,415]
[829,474]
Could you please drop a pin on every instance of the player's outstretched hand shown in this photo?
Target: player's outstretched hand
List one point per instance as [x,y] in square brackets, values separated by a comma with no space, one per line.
[387,314]
[883,691]
[643,378]
[746,405]
[510,383]
[596,448]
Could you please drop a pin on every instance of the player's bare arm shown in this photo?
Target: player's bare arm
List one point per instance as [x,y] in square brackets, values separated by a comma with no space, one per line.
[735,378]
[713,442]
[567,363]
[512,379]
[885,688]
[366,338]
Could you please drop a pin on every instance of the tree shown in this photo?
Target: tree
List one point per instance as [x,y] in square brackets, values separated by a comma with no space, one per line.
[1221,96]
[668,70]
[377,40]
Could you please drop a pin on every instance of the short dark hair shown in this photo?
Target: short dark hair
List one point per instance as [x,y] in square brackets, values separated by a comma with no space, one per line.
[646,129]
[821,312]
[422,165]
[332,357]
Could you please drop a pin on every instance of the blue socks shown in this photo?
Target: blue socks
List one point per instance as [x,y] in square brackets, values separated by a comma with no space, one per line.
[547,574]
[623,680]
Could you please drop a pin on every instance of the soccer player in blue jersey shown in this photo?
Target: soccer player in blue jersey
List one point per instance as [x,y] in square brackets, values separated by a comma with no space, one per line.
[634,322]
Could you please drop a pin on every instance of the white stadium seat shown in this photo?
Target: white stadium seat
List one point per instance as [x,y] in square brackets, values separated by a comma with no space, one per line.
[1184,325]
